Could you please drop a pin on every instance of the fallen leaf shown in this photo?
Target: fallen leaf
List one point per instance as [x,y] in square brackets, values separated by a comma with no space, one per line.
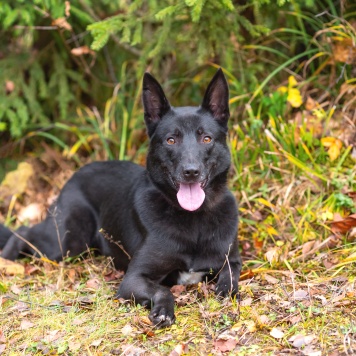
[272,256]
[246,302]
[334,146]
[16,182]
[295,319]
[179,350]
[277,333]
[344,50]
[97,342]
[93,283]
[2,337]
[26,324]
[299,340]
[15,289]
[225,345]
[177,290]
[11,268]
[300,294]
[308,246]
[311,104]
[74,346]
[322,298]
[271,279]
[127,330]
[78,321]
[344,225]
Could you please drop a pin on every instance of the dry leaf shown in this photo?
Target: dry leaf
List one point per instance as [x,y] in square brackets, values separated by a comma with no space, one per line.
[272,256]
[344,50]
[97,342]
[344,225]
[271,279]
[127,330]
[307,247]
[179,350]
[246,302]
[15,289]
[300,294]
[67,8]
[26,324]
[277,333]
[15,182]
[2,337]
[62,23]
[11,268]
[311,104]
[177,290]
[225,345]
[79,51]
[299,340]
[93,283]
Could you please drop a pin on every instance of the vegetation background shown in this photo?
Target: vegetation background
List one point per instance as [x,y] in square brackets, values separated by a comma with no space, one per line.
[70,94]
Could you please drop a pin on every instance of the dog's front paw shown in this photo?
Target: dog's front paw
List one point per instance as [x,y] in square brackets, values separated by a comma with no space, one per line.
[161,317]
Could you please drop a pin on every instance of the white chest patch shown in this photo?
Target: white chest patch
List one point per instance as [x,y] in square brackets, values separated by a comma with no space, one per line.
[190,277]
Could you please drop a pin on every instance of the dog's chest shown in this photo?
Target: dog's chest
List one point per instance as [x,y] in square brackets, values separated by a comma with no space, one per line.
[190,277]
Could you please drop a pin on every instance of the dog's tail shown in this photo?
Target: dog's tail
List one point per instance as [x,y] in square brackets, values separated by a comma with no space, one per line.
[5,234]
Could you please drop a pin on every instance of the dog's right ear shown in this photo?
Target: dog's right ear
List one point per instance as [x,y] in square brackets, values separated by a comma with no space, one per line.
[155,103]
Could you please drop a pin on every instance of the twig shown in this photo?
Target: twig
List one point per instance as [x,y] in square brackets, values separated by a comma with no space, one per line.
[117,243]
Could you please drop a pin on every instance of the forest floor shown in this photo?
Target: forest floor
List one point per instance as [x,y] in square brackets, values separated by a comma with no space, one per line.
[297,289]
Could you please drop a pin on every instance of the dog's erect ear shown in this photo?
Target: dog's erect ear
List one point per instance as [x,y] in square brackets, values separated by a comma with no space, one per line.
[155,103]
[216,98]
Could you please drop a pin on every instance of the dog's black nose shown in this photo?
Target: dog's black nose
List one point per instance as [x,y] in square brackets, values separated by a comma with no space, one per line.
[191,172]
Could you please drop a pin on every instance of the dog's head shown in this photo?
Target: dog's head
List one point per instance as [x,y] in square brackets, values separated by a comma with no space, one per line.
[188,158]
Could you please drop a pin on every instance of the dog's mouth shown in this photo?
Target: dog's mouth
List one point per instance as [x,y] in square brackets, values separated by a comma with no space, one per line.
[191,195]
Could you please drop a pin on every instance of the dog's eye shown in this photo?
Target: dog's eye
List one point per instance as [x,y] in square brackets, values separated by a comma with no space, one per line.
[171,141]
[207,139]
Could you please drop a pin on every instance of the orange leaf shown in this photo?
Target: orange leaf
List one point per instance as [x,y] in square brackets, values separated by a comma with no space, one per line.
[345,225]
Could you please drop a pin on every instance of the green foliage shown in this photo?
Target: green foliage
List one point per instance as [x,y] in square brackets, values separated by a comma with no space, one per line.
[198,25]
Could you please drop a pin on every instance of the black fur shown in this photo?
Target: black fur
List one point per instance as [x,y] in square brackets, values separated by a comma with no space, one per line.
[139,207]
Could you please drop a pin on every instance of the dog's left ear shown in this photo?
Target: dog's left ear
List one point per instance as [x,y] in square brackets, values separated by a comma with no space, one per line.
[216,98]
[155,103]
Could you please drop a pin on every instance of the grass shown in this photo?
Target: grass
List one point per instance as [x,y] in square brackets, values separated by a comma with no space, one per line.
[69,309]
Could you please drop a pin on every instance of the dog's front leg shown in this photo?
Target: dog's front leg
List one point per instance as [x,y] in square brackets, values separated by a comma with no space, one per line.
[230,273]
[142,285]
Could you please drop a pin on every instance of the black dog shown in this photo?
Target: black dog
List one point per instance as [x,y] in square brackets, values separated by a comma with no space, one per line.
[176,219]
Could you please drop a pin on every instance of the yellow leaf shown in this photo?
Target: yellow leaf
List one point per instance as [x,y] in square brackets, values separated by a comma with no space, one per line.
[328,141]
[266,202]
[272,231]
[294,97]
[292,82]
[283,89]
[334,152]
[334,145]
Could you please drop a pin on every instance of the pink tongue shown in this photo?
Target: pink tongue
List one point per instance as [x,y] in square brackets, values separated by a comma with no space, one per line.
[190,196]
